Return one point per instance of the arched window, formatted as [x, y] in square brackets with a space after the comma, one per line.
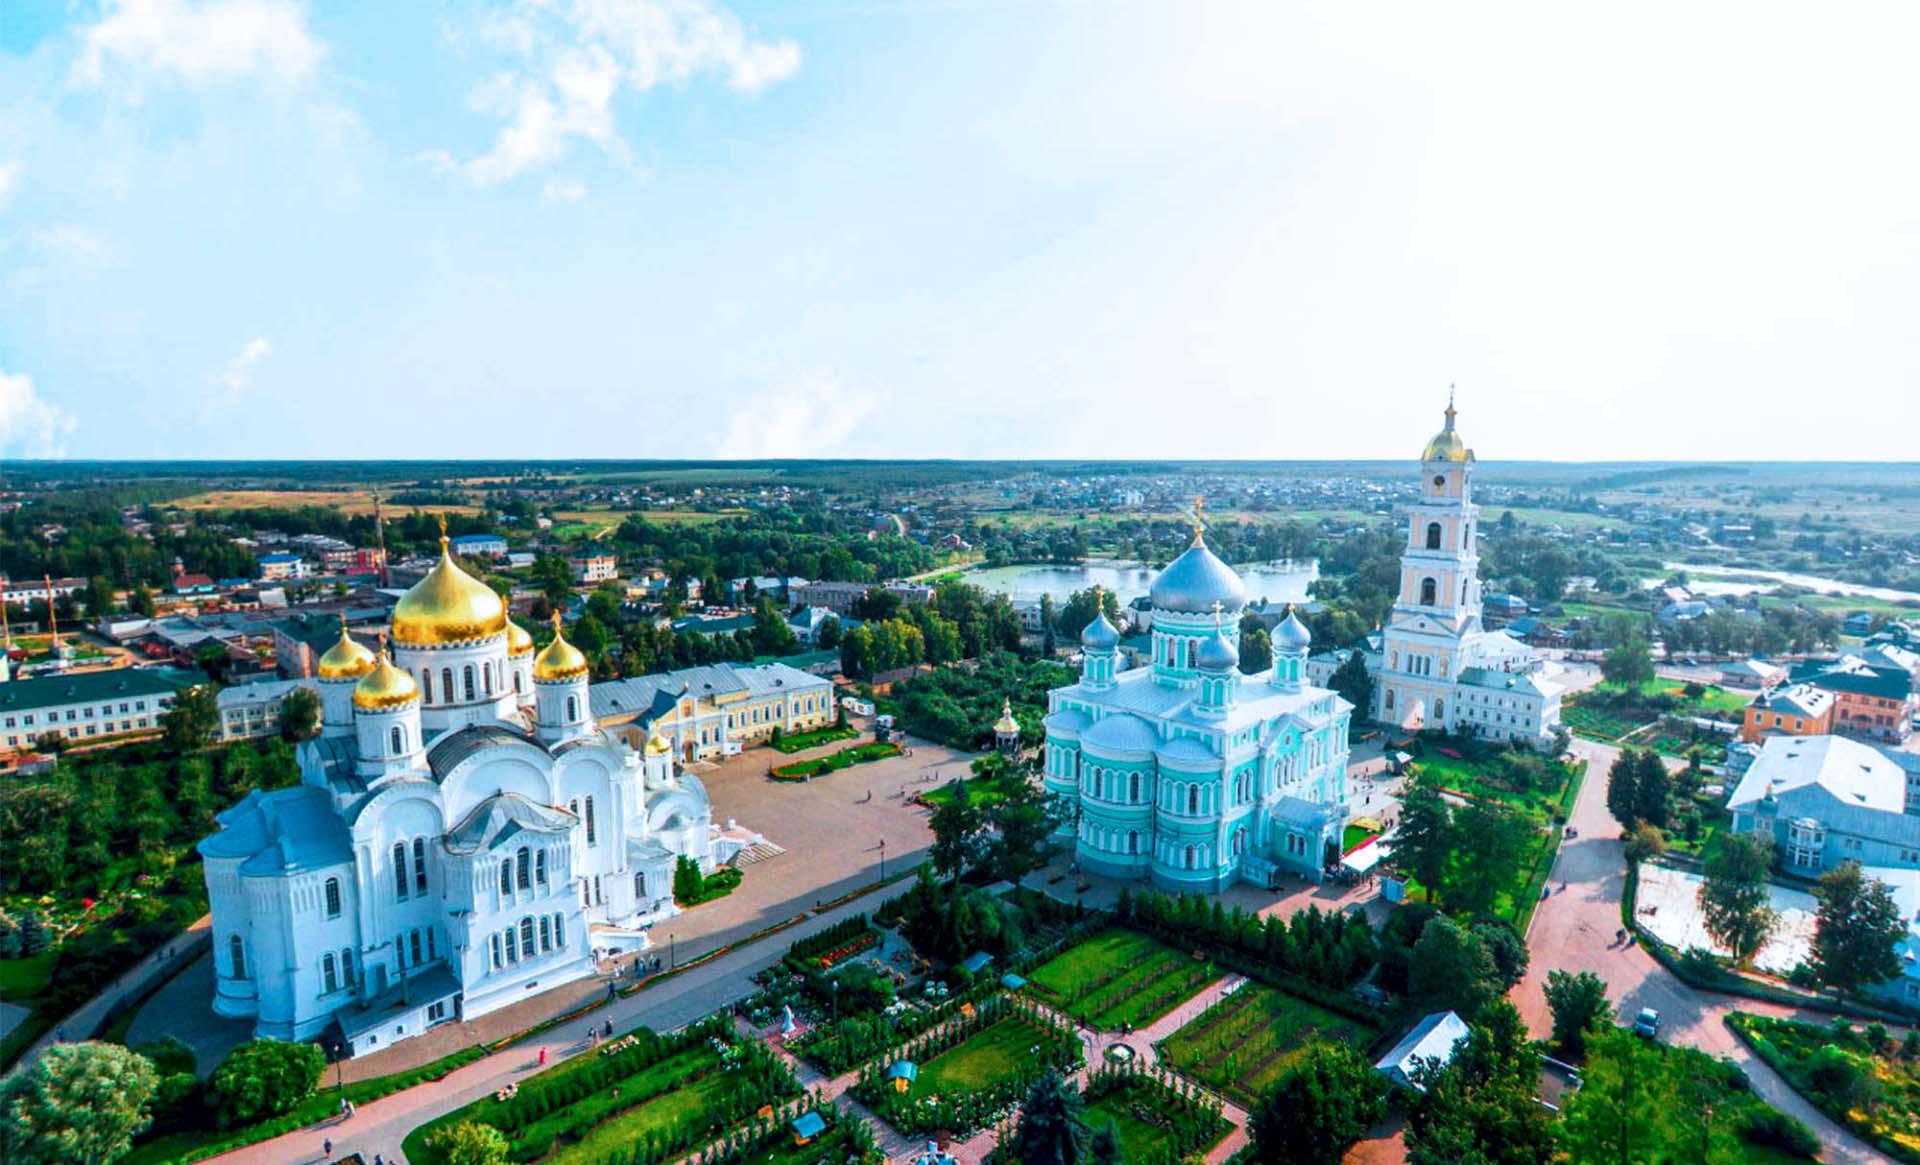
[329, 974]
[513, 948]
[560, 931]
[1428, 590]
[333, 897]
[486, 677]
[526, 937]
[522, 867]
[573, 708]
[237, 951]
[1193, 798]
[546, 933]
[1133, 787]
[1389, 699]
[346, 966]
[399, 869]
[516, 682]
[1433, 535]
[540, 867]
[1189, 857]
[466, 682]
[493, 946]
[1439, 709]
[420, 864]
[413, 947]
[396, 741]
[591, 838]
[446, 684]
[426, 685]
[1133, 841]
[639, 886]
[506, 877]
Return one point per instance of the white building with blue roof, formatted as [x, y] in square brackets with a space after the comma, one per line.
[463, 836]
[1187, 772]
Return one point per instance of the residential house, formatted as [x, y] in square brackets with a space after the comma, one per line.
[593, 568]
[1788, 710]
[479, 546]
[281, 565]
[87, 705]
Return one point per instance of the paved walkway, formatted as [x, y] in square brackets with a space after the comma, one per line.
[381, 1125]
[95, 1013]
[1573, 931]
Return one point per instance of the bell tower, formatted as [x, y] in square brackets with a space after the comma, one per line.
[1439, 569]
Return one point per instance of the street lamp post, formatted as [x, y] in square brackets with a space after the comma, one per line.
[671, 962]
[883, 859]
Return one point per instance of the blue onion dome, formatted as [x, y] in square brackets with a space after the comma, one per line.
[1099, 634]
[1195, 581]
[1291, 634]
[1217, 654]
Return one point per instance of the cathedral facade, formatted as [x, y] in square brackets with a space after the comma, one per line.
[463, 835]
[1187, 772]
[1435, 665]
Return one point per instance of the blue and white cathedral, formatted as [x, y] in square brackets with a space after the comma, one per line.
[1187, 772]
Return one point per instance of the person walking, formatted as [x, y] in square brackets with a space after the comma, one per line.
[543, 1056]
[326, 1148]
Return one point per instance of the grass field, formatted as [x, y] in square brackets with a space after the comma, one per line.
[349, 501]
[998, 1051]
[1120, 977]
[1241, 1044]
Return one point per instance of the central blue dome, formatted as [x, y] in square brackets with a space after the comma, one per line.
[1195, 581]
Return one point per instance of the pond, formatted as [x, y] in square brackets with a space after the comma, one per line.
[1278, 582]
[1737, 580]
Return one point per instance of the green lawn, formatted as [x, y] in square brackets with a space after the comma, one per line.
[687, 1103]
[835, 761]
[24, 978]
[1141, 1112]
[1353, 836]
[980, 790]
[801, 741]
[1242, 1044]
[998, 1051]
[832, 1147]
[1119, 977]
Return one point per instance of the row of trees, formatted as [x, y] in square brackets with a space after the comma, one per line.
[1433, 840]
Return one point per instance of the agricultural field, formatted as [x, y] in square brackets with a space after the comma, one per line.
[1241, 1044]
[1120, 977]
[347, 501]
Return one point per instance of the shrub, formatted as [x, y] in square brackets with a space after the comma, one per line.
[1770, 1128]
[263, 1078]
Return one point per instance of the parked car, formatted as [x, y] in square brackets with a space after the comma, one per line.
[1647, 1023]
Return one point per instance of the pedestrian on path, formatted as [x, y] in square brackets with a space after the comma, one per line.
[326, 1148]
[543, 1056]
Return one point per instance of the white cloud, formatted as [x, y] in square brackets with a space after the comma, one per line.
[69, 244]
[239, 373]
[197, 44]
[563, 190]
[9, 178]
[810, 418]
[29, 425]
[579, 56]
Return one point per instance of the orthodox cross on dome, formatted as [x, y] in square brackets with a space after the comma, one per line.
[1450, 410]
[1199, 515]
[1218, 607]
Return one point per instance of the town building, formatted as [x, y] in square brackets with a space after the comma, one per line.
[1436, 665]
[1788, 710]
[593, 568]
[251, 711]
[480, 546]
[1876, 703]
[89, 705]
[842, 597]
[355, 559]
[1187, 772]
[280, 566]
[463, 834]
[715, 710]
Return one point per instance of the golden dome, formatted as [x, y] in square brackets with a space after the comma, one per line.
[657, 744]
[1006, 725]
[346, 659]
[519, 642]
[1446, 444]
[448, 606]
[385, 687]
[559, 660]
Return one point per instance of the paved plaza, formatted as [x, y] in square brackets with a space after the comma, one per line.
[1668, 906]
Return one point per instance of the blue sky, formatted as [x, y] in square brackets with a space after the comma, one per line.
[692, 228]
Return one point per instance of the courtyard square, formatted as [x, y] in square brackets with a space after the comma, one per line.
[1668, 906]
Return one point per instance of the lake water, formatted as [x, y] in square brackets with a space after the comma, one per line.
[1279, 582]
[1734, 580]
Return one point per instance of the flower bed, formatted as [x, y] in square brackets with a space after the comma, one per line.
[972, 1071]
[1241, 1044]
[1120, 977]
[802, 741]
[1863, 1079]
[833, 762]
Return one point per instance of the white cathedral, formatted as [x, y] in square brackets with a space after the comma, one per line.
[1435, 665]
[463, 837]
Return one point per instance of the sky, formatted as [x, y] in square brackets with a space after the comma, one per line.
[1117, 229]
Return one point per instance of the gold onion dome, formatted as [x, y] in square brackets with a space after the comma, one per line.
[346, 659]
[658, 744]
[1446, 444]
[559, 660]
[519, 642]
[1006, 725]
[448, 606]
[385, 687]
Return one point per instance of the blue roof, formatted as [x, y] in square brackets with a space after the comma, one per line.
[280, 556]
[976, 962]
[476, 539]
[903, 1070]
[1012, 982]
[809, 1124]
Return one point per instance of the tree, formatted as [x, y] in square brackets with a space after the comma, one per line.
[1104, 1147]
[143, 600]
[299, 716]
[1579, 1005]
[212, 658]
[1623, 788]
[187, 726]
[1735, 904]
[1423, 842]
[1508, 949]
[1053, 1127]
[34, 935]
[263, 1078]
[1856, 930]
[1322, 1103]
[1652, 788]
[1353, 683]
[470, 1143]
[1502, 841]
[1644, 842]
[959, 833]
[554, 578]
[1452, 970]
[829, 633]
[1480, 1107]
[1024, 819]
[78, 1102]
[688, 882]
[101, 600]
[1628, 663]
[1256, 648]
